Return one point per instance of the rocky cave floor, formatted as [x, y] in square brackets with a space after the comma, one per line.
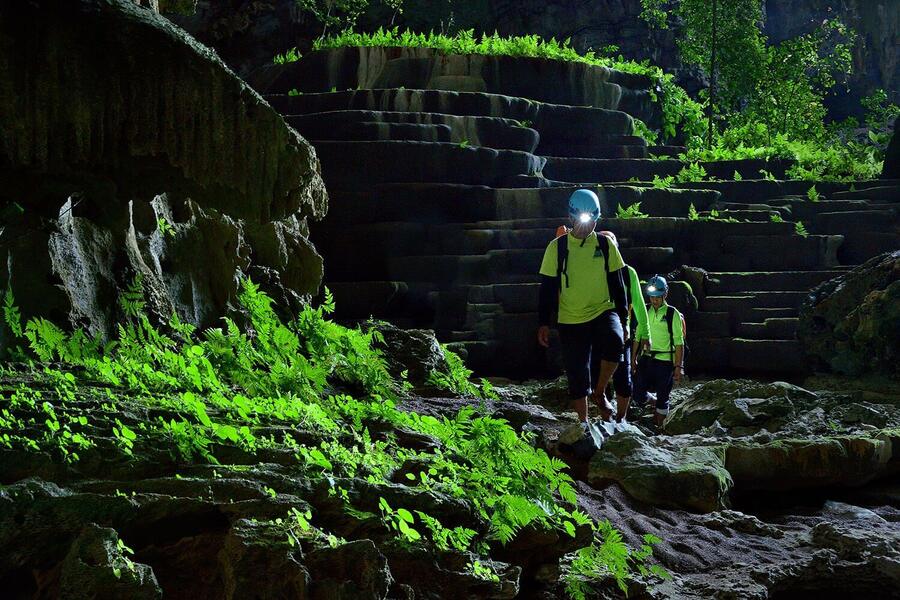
[768, 490]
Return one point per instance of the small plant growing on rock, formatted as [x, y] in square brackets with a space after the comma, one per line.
[399, 520]
[663, 183]
[609, 556]
[776, 217]
[289, 56]
[800, 229]
[457, 379]
[643, 131]
[813, 194]
[633, 211]
[165, 228]
[690, 173]
[483, 571]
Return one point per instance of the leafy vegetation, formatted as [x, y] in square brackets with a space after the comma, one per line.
[767, 100]
[633, 211]
[321, 385]
[458, 379]
[610, 555]
[724, 38]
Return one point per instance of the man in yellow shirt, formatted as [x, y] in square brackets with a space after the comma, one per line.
[662, 366]
[581, 277]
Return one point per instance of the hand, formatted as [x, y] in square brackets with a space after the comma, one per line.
[678, 373]
[543, 336]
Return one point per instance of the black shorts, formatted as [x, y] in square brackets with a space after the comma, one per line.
[586, 344]
[622, 376]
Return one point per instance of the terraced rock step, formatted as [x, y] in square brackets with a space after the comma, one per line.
[359, 165]
[369, 125]
[596, 170]
[555, 122]
[737, 282]
[778, 328]
[403, 238]
[453, 193]
[576, 84]
[881, 191]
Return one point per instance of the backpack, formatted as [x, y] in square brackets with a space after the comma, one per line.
[562, 263]
[669, 317]
[562, 256]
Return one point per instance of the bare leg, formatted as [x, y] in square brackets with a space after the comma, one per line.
[658, 420]
[607, 369]
[622, 407]
[580, 406]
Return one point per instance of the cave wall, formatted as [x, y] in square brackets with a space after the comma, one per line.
[129, 149]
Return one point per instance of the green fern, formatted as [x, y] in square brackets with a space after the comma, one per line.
[11, 314]
[633, 211]
[693, 215]
[609, 556]
[132, 299]
[813, 195]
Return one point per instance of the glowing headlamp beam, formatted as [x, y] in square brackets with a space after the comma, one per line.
[584, 217]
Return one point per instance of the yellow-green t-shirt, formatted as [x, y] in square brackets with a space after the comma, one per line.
[658, 329]
[587, 295]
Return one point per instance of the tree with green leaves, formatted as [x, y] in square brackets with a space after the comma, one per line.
[788, 95]
[723, 37]
[343, 14]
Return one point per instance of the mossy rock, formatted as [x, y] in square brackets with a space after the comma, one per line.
[739, 403]
[658, 473]
[804, 463]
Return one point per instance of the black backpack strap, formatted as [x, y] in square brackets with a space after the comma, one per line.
[670, 315]
[626, 277]
[562, 259]
[603, 247]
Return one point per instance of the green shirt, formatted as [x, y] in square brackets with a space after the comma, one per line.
[587, 296]
[659, 332]
[636, 298]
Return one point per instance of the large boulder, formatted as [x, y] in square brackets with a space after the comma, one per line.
[413, 352]
[141, 153]
[804, 463]
[849, 325]
[661, 473]
[741, 406]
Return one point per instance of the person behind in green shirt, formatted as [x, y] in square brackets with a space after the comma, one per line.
[662, 366]
[622, 378]
[581, 279]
